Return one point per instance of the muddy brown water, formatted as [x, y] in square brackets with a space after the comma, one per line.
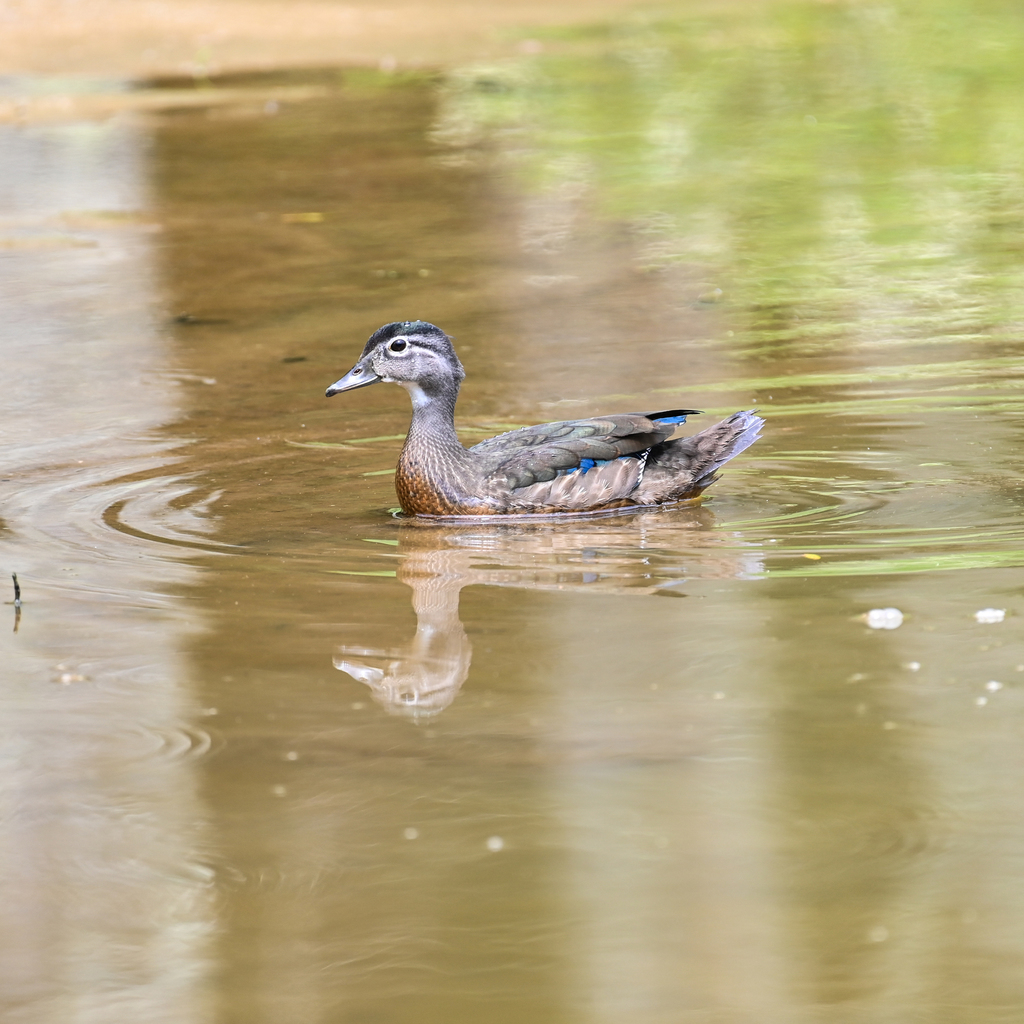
[272, 753]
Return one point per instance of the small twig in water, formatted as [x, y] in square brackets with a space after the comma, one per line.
[17, 601]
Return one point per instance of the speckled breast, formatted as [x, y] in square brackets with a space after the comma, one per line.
[420, 494]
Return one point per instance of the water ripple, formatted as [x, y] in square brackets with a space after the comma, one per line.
[172, 742]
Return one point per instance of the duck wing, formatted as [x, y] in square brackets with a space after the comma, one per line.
[536, 455]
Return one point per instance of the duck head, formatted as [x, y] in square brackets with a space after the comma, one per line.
[413, 353]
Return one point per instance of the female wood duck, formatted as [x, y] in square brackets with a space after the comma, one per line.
[571, 466]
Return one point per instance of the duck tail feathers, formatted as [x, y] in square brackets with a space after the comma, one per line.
[742, 430]
[683, 468]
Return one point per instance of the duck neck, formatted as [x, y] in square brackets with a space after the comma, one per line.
[433, 421]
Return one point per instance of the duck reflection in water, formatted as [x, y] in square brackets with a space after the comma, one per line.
[644, 554]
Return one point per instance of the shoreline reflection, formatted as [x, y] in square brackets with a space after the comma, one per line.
[650, 553]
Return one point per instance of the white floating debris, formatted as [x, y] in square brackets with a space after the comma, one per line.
[719, 695]
[990, 615]
[981, 701]
[292, 755]
[278, 790]
[914, 666]
[878, 934]
[411, 833]
[993, 686]
[495, 843]
[885, 618]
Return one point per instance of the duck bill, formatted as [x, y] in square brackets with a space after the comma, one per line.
[359, 376]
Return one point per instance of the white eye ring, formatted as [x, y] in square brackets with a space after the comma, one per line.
[398, 346]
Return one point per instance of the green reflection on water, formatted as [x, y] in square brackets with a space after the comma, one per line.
[834, 168]
[890, 566]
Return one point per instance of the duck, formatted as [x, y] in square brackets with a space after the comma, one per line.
[597, 464]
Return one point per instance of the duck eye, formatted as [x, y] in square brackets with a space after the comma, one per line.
[398, 345]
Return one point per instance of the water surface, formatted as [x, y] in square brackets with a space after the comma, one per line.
[274, 753]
